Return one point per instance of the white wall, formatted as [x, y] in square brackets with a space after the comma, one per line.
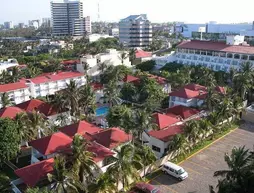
[163, 60]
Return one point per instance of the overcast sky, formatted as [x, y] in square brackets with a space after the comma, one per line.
[190, 11]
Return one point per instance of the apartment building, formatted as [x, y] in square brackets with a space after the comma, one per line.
[135, 31]
[67, 18]
[218, 56]
[50, 83]
[18, 92]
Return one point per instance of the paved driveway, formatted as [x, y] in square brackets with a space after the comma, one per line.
[202, 166]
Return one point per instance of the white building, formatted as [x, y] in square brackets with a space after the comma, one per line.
[63, 14]
[82, 26]
[111, 57]
[163, 60]
[4, 65]
[114, 32]
[18, 92]
[96, 37]
[51, 83]
[135, 31]
[215, 55]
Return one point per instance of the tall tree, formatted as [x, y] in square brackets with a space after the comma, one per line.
[87, 99]
[132, 55]
[104, 184]
[123, 56]
[5, 100]
[9, 140]
[179, 144]
[111, 92]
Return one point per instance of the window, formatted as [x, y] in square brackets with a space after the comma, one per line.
[172, 170]
[166, 167]
[155, 148]
[244, 57]
[251, 57]
[230, 56]
[237, 56]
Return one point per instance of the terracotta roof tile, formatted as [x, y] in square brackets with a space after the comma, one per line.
[12, 86]
[183, 111]
[164, 121]
[142, 54]
[185, 93]
[195, 87]
[130, 78]
[100, 151]
[10, 112]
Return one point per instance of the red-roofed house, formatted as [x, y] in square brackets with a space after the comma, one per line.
[160, 140]
[215, 55]
[10, 112]
[49, 84]
[182, 111]
[18, 92]
[82, 127]
[195, 87]
[111, 138]
[33, 174]
[164, 121]
[130, 78]
[44, 108]
[47, 147]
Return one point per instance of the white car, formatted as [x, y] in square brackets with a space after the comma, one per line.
[174, 170]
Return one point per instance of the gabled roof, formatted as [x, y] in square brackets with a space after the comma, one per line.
[139, 53]
[97, 86]
[111, 138]
[10, 112]
[33, 173]
[159, 80]
[185, 93]
[183, 111]
[130, 78]
[100, 151]
[52, 144]
[12, 86]
[195, 87]
[164, 121]
[82, 127]
[39, 106]
[166, 134]
[216, 46]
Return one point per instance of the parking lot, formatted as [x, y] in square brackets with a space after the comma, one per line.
[202, 165]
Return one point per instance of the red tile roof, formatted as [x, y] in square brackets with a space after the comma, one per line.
[10, 112]
[52, 144]
[12, 86]
[164, 121]
[97, 86]
[195, 87]
[70, 62]
[100, 151]
[183, 111]
[139, 53]
[82, 127]
[39, 106]
[166, 134]
[216, 46]
[33, 173]
[220, 89]
[55, 77]
[185, 93]
[111, 138]
[159, 80]
[130, 78]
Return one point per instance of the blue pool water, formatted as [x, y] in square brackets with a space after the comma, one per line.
[101, 111]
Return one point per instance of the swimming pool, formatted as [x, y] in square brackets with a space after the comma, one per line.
[101, 111]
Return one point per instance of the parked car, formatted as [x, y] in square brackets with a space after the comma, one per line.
[142, 187]
[174, 170]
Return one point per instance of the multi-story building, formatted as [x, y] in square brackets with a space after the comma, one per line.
[8, 25]
[82, 26]
[114, 32]
[51, 83]
[64, 14]
[135, 31]
[46, 22]
[215, 55]
[18, 92]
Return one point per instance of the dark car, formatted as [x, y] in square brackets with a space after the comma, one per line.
[142, 187]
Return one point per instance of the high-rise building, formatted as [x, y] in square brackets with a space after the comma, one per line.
[46, 22]
[8, 25]
[82, 26]
[135, 31]
[64, 13]
[21, 25]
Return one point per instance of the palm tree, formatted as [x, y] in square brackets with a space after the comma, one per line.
[104, 184]
[192, 131]
[205, 127]
[87, 99]
[15, 74]
[125, 168]
[63, 179]
[85, 67]
[111, 92]
[5, 186]
[37, 190]
[239, 177]
[5, 101]
[59, 102]
[132, 55]
[102, 66]
[123, 56]
[212, 99]
[82, 160]
[38, 124]
[146, 156]
[179, 144]
[71, 96]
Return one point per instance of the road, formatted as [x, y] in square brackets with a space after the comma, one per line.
[202, 165]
